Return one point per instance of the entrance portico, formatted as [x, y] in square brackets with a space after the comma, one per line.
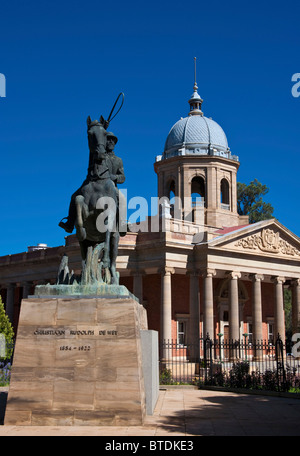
[242, 288]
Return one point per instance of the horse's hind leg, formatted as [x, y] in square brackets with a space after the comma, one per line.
[113, 257]
[81, 213]
[110, 231]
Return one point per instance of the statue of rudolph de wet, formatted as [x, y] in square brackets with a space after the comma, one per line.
[96, 208]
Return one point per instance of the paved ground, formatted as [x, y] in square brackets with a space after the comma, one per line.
[189, 412]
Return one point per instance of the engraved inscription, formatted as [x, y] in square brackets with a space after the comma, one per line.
[72, 332]
[80, 348]
[73, 338]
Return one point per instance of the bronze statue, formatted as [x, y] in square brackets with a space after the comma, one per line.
[94, 207]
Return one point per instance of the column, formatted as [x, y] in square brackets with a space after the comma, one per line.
[179, 190]
[279, 308]
[10, 301]
[138, 285]
[194, 307]
[296, 306]
[234, 319]
[257, 307]
[166, 304]
[166, 314]
[26, 289]
[208, 303]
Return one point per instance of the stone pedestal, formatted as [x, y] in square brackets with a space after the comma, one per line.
[78, 361]
[150, 368]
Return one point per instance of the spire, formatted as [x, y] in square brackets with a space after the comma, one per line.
[195, 101]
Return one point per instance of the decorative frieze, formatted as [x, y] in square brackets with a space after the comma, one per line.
[268, 241]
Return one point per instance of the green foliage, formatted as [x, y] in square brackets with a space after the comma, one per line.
[5, 372]
[250, 201]
[165, 377]
[7, 330]
[239, 376]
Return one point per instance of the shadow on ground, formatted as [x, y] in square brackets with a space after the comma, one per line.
[215, 413]
[3, 399]
[232, 414]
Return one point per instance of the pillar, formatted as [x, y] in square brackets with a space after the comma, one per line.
[208, 303]
[279, 308]
[234, 318]
[257, 307]
[296, 306]
[138, 285]
[166, 314]
[10, 301]
[26, 289]
[194, 308]
[166, 304]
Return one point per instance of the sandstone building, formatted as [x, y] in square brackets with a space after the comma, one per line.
[214, 274]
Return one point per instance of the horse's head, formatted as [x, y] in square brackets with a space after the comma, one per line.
[97, 136]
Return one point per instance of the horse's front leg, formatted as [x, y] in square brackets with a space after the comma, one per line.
[106, 254]
[81, 215]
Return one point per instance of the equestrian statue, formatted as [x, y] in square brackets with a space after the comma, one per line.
[95, 209]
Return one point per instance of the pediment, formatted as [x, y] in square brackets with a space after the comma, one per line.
[266, 238]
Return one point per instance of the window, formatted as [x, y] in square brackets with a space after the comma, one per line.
[270, 333]
[198, 187]
[181, 332]
[171, 197]
[197, 194]
[250, 333]
[225, 203]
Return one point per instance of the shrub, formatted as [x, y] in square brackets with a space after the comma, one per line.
[7, 330]
[5, 371]
[239, 376]
[165, 377]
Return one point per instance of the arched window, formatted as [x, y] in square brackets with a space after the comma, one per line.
[171, 197]
[224, 193]
[197, 194]
[171, 189]
[198, 191]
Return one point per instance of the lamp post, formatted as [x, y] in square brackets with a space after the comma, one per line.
[246, 335]
[220, 335]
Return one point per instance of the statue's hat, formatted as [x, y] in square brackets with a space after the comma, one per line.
[111, 135]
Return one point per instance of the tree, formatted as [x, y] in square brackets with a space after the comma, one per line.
[7, 330]
[250, 201]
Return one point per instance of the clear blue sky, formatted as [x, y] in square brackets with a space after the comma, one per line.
[66, 60]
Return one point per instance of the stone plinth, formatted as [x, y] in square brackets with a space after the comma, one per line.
[78, 362]
[88, 290]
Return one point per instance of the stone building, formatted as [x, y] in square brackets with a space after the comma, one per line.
[206, 270]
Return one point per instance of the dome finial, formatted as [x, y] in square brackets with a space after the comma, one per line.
[195, 65]
[195, 101]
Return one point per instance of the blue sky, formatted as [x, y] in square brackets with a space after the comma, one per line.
[66, 60]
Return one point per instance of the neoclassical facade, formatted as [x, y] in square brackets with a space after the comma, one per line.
[206, 270]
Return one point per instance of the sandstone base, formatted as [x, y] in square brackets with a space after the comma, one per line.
[78, 362]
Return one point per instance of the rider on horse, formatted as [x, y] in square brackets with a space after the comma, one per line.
[110, 164]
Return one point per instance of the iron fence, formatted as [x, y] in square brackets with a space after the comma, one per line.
[241, 364]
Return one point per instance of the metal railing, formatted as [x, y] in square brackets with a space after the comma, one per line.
[241, 364]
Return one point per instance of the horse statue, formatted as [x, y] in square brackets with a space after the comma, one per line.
[94, 212]
[98, 241]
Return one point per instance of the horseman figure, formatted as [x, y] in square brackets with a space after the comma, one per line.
[95, 207]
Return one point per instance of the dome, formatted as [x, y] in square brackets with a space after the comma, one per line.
[196, 133]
